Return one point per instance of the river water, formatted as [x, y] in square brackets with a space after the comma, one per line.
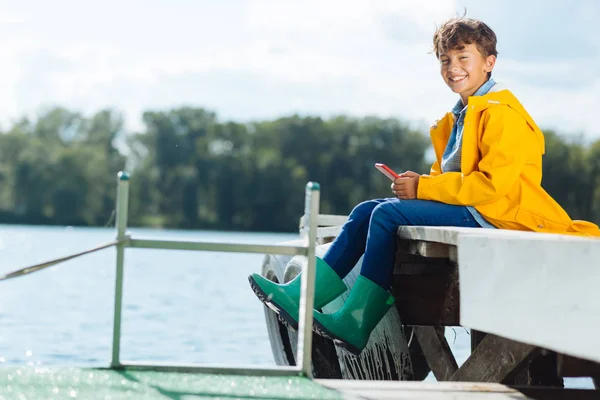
[178, 306]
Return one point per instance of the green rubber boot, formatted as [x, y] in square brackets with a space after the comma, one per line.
[284, 299]
[351, 326]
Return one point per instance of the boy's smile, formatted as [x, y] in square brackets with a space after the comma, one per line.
[465, 69]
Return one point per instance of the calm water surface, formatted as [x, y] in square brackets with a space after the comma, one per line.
[178, 306]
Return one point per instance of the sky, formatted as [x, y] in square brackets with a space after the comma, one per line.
[251, 59]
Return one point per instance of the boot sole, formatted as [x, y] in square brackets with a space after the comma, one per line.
[285, 318]
[322, 331]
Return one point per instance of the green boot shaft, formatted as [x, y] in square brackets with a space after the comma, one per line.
[351, 326]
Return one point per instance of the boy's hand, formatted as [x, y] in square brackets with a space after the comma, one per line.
[410, 174]
[406, 185]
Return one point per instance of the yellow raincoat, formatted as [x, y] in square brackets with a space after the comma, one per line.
[501, 168]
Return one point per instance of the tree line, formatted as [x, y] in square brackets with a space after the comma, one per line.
[190, 170]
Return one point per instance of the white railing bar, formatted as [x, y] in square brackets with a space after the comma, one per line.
[126, 241]
[329, 231]
[122, 209]
[327, 220]
[307, 291]
[165, 244]
[211, 369]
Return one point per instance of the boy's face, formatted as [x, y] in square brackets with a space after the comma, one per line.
[465, 70]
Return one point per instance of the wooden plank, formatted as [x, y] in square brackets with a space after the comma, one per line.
[532, 278]
[437, 234]
[540, 371]
[426, 289]
[476, 338]
[544, 393]
[494, 360]
[520, 377]
[387, 390]
[451, 235]
[576, 367]
[426, 249]
[437, 352]
[427, 300]
[419, 247]
[432, 250]
[407, 255]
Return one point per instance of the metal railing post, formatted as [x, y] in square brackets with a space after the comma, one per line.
[122, 206]
[305, 323]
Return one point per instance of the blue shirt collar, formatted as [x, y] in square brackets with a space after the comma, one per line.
[483, 90]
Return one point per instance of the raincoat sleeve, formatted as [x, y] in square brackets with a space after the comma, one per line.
[503, 149]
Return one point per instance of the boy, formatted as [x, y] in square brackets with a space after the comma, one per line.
[487, 173]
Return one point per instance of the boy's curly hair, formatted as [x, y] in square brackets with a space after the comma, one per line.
[457, 32]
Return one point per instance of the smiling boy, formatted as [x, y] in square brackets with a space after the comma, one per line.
[487, 173]
[488, 148]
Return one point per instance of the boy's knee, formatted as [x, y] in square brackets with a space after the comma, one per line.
[364, 209]
[383, 212]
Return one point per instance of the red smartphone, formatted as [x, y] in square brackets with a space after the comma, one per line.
[387, 171]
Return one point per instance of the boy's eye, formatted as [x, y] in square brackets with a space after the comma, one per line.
[463, 57]
[444, 61]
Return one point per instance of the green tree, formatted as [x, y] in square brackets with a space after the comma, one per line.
[191, 170]
[566, 174]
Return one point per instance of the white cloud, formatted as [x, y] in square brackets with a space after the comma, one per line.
[260, 59]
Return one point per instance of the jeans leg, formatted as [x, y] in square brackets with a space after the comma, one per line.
[349, 245]
[380, 248]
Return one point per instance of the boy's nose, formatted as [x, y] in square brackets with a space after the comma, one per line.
[453, 68]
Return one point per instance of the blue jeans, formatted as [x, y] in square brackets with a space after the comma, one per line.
[371, 230]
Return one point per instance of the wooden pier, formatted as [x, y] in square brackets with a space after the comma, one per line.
[390, 390]
[531, 300]
[48, 383]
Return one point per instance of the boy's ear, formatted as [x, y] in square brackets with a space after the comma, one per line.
[490, 61]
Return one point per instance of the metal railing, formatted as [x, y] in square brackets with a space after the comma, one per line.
[123, 241]
[308, 233]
